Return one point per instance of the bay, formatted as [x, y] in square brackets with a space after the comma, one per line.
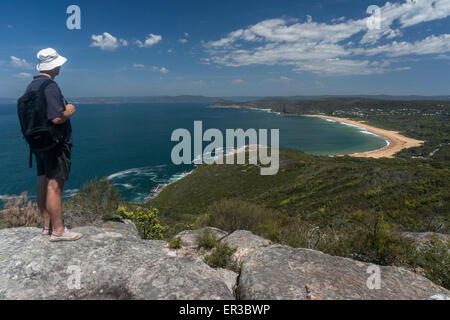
[130, 143]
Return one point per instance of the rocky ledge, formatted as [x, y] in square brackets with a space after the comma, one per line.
[114, 263]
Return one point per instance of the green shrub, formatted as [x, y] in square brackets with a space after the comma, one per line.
[222, 257]
[98, 197]
[175, 243]
[206, 239]
[372, 239]
[291, 231]
[233, 214]
[146, 221]
[435, 260]
[18, 211]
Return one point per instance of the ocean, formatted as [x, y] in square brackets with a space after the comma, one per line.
[130, 143]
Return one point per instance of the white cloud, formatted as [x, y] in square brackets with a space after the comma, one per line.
[154, 68]
[237, 81]
[107, 41]
[184, 40]
[205, 60]
[284, 78]
[20, 63]
[336, 66]
[432, 44]
[23, 75]
[162, 69]
[151, 40]
[406, 14]
[333, 48]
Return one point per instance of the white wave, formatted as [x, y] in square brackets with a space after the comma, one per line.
[179, 176]
[172, 179]
[69, 193]
[139, 197]
[125, 185]
[362, 130]
[350, 125]
[370, 133]
[145, 172]
[265, 110]
[209, 158]
[14, 196]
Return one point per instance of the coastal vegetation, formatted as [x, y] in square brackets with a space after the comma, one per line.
[97, 196]
[146, 221]
[19, 211]
[175, 243]
[207, 240]
[222, 257]
[344, 206]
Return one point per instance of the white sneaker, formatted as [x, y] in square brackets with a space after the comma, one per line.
[68, 235]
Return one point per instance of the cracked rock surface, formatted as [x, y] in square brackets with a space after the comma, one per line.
[114, 263]
[111, 264]
[281, 272]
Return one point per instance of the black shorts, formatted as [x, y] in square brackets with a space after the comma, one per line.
[54, 164]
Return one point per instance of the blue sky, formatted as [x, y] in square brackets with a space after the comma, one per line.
[231, 48]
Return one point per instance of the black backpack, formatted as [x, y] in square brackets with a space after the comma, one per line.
[40, 134]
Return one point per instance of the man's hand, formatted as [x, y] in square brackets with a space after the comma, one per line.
[70, 110]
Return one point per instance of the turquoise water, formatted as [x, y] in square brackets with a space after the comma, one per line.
[130, 143]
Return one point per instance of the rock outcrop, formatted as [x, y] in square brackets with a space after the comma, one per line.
[423, 240]
[245, 242]
[104, 264]
[281, 272]
[114, 263]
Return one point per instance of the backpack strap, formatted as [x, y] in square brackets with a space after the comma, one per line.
[44, 86]
[31, 158]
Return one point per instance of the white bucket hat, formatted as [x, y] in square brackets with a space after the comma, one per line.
[49, 59]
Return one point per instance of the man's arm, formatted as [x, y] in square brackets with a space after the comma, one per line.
[70, 111]
[58, 111]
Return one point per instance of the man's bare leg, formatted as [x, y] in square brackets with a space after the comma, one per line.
[42, 200]
[54, 204]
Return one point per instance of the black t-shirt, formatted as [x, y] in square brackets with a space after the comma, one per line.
[56, 105]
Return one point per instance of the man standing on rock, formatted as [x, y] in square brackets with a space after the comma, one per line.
[53, 166]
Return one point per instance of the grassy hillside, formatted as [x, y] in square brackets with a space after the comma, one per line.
[321, 190]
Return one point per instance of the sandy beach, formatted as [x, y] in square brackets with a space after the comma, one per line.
[397, 142]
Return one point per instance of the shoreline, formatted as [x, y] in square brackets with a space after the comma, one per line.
[396, 142]
[156, 191]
